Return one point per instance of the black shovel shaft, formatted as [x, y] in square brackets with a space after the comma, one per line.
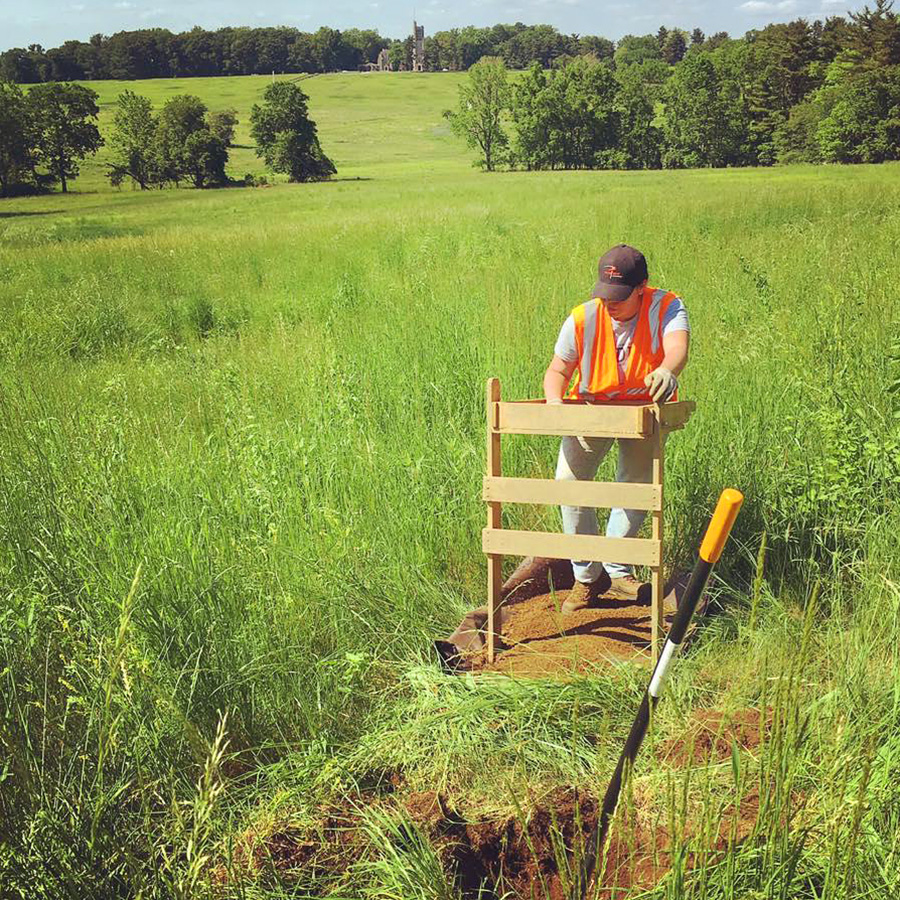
[710, 550]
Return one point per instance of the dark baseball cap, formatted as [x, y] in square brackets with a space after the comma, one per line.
[619, 272]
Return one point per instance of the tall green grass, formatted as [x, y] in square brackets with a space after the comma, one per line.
[241, 445]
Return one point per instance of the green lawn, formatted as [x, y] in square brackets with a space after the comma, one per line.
[241, 450]
[370, 124]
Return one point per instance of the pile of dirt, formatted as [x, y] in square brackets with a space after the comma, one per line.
[539, 640]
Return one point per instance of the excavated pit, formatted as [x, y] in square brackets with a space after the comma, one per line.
[489, 859]
[539, 640]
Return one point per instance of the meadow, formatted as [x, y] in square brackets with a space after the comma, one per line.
[241, 451]
[389, 122]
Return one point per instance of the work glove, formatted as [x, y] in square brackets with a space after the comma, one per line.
[661, 384]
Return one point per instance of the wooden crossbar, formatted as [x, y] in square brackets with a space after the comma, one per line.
[586, 420]
[634, 420]
[631, 551]
[572, 493]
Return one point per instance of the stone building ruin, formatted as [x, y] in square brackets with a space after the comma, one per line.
[418, 50]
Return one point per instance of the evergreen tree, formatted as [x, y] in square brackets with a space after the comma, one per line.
[875, 34]
[675, 47]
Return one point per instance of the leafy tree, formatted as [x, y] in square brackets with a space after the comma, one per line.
[16, 65]
[795, 140]
[567, 118]
[697, 37]
[301, 57]
[716, 40]
[63, 114]
[472, 44]
[285, 135]
[222, 124]
[832, 37]
[601, 47]
[640, 142]
[699, 121]
[631, 50]
[863, 126]
[400, 54]
[329, 51]
[366, 44]
[16, 138]
[132, 141]
[204, 158]
[181, 116]
[538, 43]
[479, 116]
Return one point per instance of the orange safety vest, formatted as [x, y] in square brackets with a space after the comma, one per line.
[597, 376]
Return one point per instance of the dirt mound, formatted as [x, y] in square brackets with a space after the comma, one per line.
[711, 734]
[539, 640]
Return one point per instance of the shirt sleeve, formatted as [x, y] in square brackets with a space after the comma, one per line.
[565, 347]
[676, 317]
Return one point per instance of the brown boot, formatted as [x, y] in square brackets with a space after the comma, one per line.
[532, 577]
[625, 588]
[582, 596]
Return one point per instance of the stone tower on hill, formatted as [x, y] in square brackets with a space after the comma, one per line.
[418, 54]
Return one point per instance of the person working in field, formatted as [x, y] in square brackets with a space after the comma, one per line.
[629, 342]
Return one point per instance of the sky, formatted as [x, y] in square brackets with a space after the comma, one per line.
[50, 22]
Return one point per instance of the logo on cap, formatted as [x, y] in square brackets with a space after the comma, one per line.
[611, 272]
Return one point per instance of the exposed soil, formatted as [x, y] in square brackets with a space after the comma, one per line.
[539, 640]
[507, 858]
[711, 733]
[491, 858]
[323, 851]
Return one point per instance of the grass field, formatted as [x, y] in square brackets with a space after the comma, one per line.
[241, 450]
[383, 122]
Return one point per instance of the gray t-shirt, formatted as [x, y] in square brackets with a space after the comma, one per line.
[675, 319]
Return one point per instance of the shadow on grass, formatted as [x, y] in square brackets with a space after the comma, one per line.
[42, 212]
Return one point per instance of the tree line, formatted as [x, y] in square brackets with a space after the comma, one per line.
[158, 53]
[798, 92]
[46, 133]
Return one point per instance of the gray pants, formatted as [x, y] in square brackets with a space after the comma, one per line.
[579, 459]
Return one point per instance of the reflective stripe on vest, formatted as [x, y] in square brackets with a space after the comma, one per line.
[597, 376]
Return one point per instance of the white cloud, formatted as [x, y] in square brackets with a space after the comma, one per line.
[762, 7]
[123, 4]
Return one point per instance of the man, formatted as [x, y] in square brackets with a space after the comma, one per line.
[629, 342]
